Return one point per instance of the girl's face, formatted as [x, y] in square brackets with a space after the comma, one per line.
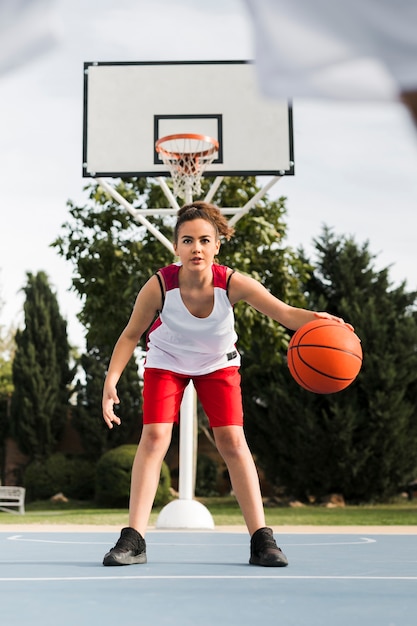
[197, 244]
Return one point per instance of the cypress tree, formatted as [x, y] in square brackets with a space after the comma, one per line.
[6, 390]
[41, 372]
[361, 442]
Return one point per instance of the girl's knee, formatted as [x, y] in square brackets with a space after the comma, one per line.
[230, 441]
[155, 437]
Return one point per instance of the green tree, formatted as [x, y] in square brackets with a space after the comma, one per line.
[113, 257]
[361, 442]
[6, 389]
[41, 372]
[312, 444]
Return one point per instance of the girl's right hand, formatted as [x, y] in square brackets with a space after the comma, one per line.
[110, 399]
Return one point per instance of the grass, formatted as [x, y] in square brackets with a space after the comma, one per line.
[225, 512]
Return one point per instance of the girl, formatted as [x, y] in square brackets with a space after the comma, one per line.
[190, 307]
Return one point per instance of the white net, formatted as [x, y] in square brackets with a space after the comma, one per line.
[187, 157]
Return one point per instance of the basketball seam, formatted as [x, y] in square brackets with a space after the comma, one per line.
[300, 379]
[314, 369]
[314, 345]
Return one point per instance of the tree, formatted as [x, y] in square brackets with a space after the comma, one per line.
[6, 389]
[311, 444]
[361, 442]
[41, 372]
[113, 257]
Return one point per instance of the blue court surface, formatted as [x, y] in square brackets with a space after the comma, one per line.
[203, 578]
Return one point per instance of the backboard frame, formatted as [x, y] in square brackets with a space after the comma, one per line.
[93, 134]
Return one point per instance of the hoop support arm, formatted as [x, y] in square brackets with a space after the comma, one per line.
[163, 211]
[168, 193]
[135, 213]
[249, 205]
[216, 184]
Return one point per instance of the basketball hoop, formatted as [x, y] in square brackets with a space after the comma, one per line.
[187, 157]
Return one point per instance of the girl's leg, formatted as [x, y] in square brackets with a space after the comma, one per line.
[232, 445]
[146, 470]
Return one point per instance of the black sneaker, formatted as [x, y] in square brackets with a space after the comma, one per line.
[264, 550]
[129, 549]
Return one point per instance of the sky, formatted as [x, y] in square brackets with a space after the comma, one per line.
[355, 163]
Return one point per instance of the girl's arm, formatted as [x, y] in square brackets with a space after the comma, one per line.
[147, 304]
[249, 290]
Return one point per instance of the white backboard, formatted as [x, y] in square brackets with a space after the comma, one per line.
[128, 106]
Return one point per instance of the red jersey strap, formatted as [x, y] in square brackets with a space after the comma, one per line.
[219, 276]
[170, 275]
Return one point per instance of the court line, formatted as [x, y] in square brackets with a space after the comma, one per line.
[203, 577]
[363, 541]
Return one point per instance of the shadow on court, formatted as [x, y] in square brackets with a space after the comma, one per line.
[203, 578]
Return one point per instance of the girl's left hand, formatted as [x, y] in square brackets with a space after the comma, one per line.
[327, 316]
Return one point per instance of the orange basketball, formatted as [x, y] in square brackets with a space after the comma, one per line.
[324, 356]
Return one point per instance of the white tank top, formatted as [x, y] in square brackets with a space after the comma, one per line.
[182, 343]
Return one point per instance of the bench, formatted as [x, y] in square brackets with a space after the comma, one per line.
[12, 497]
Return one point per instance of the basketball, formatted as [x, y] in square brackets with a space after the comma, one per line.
[324, 356]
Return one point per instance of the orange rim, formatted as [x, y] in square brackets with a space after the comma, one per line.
[178, 155]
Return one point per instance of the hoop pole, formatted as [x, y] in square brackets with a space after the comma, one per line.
[187, 444]
[135, 213]
[249, 205]
[188, 195]
[188, 428]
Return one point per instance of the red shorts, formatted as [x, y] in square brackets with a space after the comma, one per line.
[219, 393]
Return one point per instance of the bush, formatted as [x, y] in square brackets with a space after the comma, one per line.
[206, 479]
[113, 478]
[81, 479]
[74, 477]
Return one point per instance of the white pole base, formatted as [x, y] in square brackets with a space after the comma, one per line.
[181, 514]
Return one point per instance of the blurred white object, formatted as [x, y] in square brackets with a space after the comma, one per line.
[361, 49]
